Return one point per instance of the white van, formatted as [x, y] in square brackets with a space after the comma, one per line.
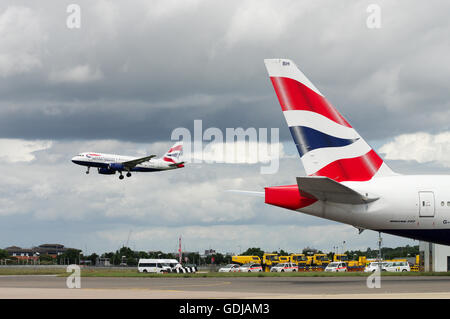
[374, 266]
[397, 266]
[158, 265]
[336, 266]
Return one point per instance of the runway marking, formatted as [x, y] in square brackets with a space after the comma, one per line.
[169, 286]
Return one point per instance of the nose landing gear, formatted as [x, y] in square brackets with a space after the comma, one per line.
[87, 171]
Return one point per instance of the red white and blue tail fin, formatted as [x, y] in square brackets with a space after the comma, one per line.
[174, 154]
[327, 144]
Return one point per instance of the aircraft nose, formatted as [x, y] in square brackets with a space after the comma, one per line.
[74, 159]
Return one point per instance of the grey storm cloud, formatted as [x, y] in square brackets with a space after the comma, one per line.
[135, 71]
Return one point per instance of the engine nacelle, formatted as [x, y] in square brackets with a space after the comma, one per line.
[106, 171]
[116, 166]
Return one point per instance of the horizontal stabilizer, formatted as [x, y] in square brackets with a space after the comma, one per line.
[176, 164]
[326, 189]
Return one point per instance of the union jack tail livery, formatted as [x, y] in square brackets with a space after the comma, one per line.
[174, 154]
[327, 143]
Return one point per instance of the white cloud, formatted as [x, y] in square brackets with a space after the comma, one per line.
[22, 41]
[239, 152]
[17, 150]
[77, 74]
[420, 147]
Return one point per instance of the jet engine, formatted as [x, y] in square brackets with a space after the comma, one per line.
[116, 166]
[106, 171]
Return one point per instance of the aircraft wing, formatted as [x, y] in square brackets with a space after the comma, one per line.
[326, 189]
[133, 163]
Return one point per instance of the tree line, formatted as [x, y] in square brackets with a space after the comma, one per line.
[129, 257]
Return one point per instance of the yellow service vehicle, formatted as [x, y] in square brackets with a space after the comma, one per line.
[245, 259]
[321, 260]
[269, 260]
[357, 265]
[284, 259]
[299, 259]
[416, 267]
[340, 257]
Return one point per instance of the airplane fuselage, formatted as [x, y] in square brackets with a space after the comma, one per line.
[413, 206]
[101, 160]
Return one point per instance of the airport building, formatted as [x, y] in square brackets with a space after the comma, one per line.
[33, 253]
[434, 257]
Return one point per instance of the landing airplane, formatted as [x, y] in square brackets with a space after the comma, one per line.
[109, 164]
[347, 180]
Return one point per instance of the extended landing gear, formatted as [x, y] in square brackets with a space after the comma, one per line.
[87, 171]
[121, 176]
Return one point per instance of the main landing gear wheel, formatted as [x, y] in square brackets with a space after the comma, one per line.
[120, 176]
[128, 174]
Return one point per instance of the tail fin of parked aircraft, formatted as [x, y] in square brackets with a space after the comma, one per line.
[327, 144]
[174, 154]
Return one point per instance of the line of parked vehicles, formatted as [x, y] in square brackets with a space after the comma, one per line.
[317, 262]
[339, 265]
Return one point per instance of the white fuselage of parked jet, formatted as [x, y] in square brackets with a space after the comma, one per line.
[414, 206]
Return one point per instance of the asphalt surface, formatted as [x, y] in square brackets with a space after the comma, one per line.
[25, 287]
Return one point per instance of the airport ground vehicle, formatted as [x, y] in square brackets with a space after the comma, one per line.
[269, 260]
[320, 260]
[250, 268]
[230, 268]
[284, 259]
[158, 265]
[373, 266]
[241, 260]
[340, 257]
[284, 267]
[300, 259]
[397, 266]
[336, 266]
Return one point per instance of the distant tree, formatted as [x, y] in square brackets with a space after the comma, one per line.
[70, 256]
[92, 258]
[192, 258]
[142, 255]
[309, 251]
[46, 259]
[283, 253]
[253, 252]
[3, 254]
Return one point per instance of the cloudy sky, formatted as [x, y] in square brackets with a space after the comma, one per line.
[136, 70]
